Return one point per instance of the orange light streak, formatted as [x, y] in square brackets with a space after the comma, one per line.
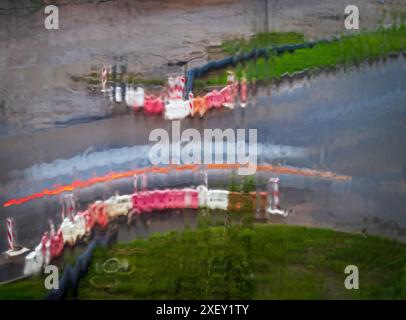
[79, 184]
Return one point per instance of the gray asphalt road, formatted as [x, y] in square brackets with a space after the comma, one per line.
[36, 64]
[350, 122]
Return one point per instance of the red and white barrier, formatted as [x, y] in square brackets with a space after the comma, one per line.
[230, 77]
[228, 96]
[214, 99]
[34, 261]
[128, 97]
[13, 248]
[153, 105]
[118, 96]
[10, 233]
[275, 192]
[178, 109]
[117, 206]
[57, 245]
[199, 105]
[147, 201]
[217, 199]
[174, 105]
[171, 89]
[180, 87]
[243, 93]
[89, 220]
[101, 213]
[191, 104]
[79, 223]
[98, 210]
[46, 248]
[202, 194]
[175, 88]
[56, 239]
[274, 207]
[138, 98]
[67, 229]
[104, 77]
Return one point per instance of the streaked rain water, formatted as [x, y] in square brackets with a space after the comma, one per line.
[351, 122]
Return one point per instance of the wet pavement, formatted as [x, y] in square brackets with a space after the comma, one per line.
[352, 122]
[349, 122]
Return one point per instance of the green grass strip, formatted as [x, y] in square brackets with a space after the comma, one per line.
[347, 51]
[259, 262]
[240, 260]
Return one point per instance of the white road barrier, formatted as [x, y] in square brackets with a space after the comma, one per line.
[217, 199]
[34, 261]
[117, 206]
